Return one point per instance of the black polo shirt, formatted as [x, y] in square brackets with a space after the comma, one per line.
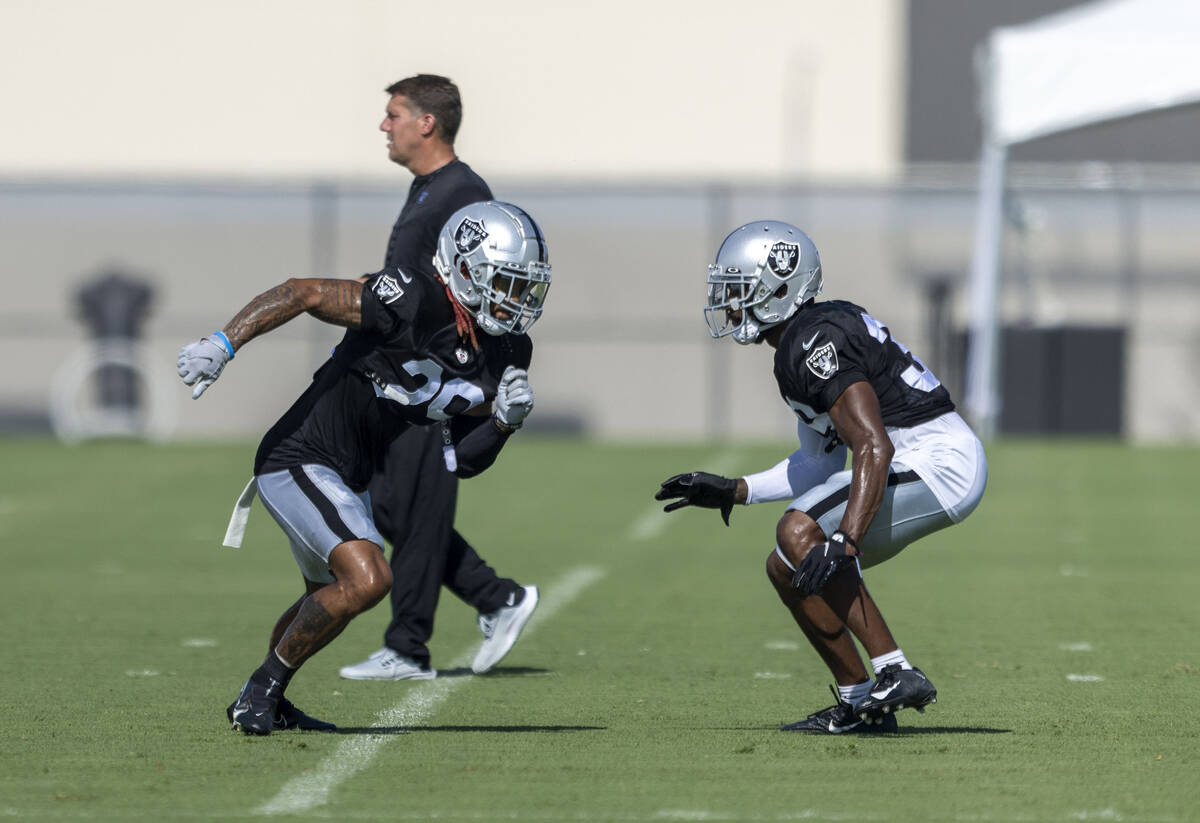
[432, 198]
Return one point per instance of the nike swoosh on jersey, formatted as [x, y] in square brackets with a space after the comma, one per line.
[406, 278]
[811, 340]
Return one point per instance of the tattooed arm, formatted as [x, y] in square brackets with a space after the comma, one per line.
[334, 301]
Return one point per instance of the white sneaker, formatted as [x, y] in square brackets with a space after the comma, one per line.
[386, 664]
[501, 629]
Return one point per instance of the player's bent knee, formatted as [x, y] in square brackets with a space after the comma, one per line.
[796, 533]
[364, 592]
[362, 572]
[375, 585]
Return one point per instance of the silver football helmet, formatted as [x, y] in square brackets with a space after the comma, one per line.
[764, 271]
[493, 256]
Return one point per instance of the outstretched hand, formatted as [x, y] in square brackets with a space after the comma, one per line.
[709, 491]
[200, 363]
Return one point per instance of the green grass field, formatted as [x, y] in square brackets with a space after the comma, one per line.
[1059, 623]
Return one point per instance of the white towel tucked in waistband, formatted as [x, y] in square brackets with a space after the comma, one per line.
[240, 516]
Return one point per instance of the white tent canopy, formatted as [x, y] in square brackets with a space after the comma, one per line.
[1096, 62]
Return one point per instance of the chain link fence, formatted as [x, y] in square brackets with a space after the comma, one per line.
[622, 351]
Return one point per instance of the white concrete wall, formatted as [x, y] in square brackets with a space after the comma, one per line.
[577, 89]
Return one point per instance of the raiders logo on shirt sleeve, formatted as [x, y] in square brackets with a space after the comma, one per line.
[823, 361]
[388, 289]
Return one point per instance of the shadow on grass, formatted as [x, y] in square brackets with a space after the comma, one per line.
[903, 731]
[507, 671]
[906, 731]
[386, 730]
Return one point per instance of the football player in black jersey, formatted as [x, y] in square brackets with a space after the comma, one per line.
[416, 353]
[413, 498]
[915, 465]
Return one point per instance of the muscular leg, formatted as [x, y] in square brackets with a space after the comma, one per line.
[825, 631]
[361, 579]
[288, 616]
[824, 618]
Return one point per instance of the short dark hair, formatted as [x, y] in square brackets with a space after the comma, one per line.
[436, 95]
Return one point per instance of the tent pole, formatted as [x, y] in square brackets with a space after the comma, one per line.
[982, 396]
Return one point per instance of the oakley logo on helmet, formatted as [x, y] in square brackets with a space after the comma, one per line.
[469, 235]
[783, 258]
[823, 362]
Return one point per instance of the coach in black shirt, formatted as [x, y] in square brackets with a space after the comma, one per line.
[414, 497]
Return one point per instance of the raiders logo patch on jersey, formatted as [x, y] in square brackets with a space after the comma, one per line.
[823, 362]
[784, 258]
[469, 234]
[388, 289]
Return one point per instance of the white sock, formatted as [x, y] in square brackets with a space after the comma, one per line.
[877, 663]
[854, 694]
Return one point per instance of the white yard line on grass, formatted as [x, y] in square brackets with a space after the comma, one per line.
[597, 815]
[356, 752]
[654, 520]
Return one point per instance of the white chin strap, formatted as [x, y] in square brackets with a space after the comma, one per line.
[747, 332]
[489, 324]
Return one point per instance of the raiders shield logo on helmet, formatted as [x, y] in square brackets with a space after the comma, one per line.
[783, 258]
[823, 362]
[469, 235]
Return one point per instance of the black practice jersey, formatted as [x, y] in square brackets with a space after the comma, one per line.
[432, 198]
[830, 345]
[405, 366]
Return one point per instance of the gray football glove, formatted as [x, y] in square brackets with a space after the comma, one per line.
[200, 363]
[514, 398]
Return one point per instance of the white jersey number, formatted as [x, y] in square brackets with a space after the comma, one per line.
[438, 394]
[916, 375]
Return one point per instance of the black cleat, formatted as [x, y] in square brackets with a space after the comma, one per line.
[841, 719]
[254, 710]
[895, 689]
[287, 716]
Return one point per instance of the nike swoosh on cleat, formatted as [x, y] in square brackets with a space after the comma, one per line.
[883, 694]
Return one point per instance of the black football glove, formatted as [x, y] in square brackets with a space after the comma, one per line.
[822, 562]
[709, 491]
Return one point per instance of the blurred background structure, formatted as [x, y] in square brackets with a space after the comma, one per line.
[217, 150]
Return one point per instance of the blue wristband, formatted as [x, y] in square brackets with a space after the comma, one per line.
[220, 335]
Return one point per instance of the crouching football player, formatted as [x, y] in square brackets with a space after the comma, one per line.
[916, 466]
[416, 353]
